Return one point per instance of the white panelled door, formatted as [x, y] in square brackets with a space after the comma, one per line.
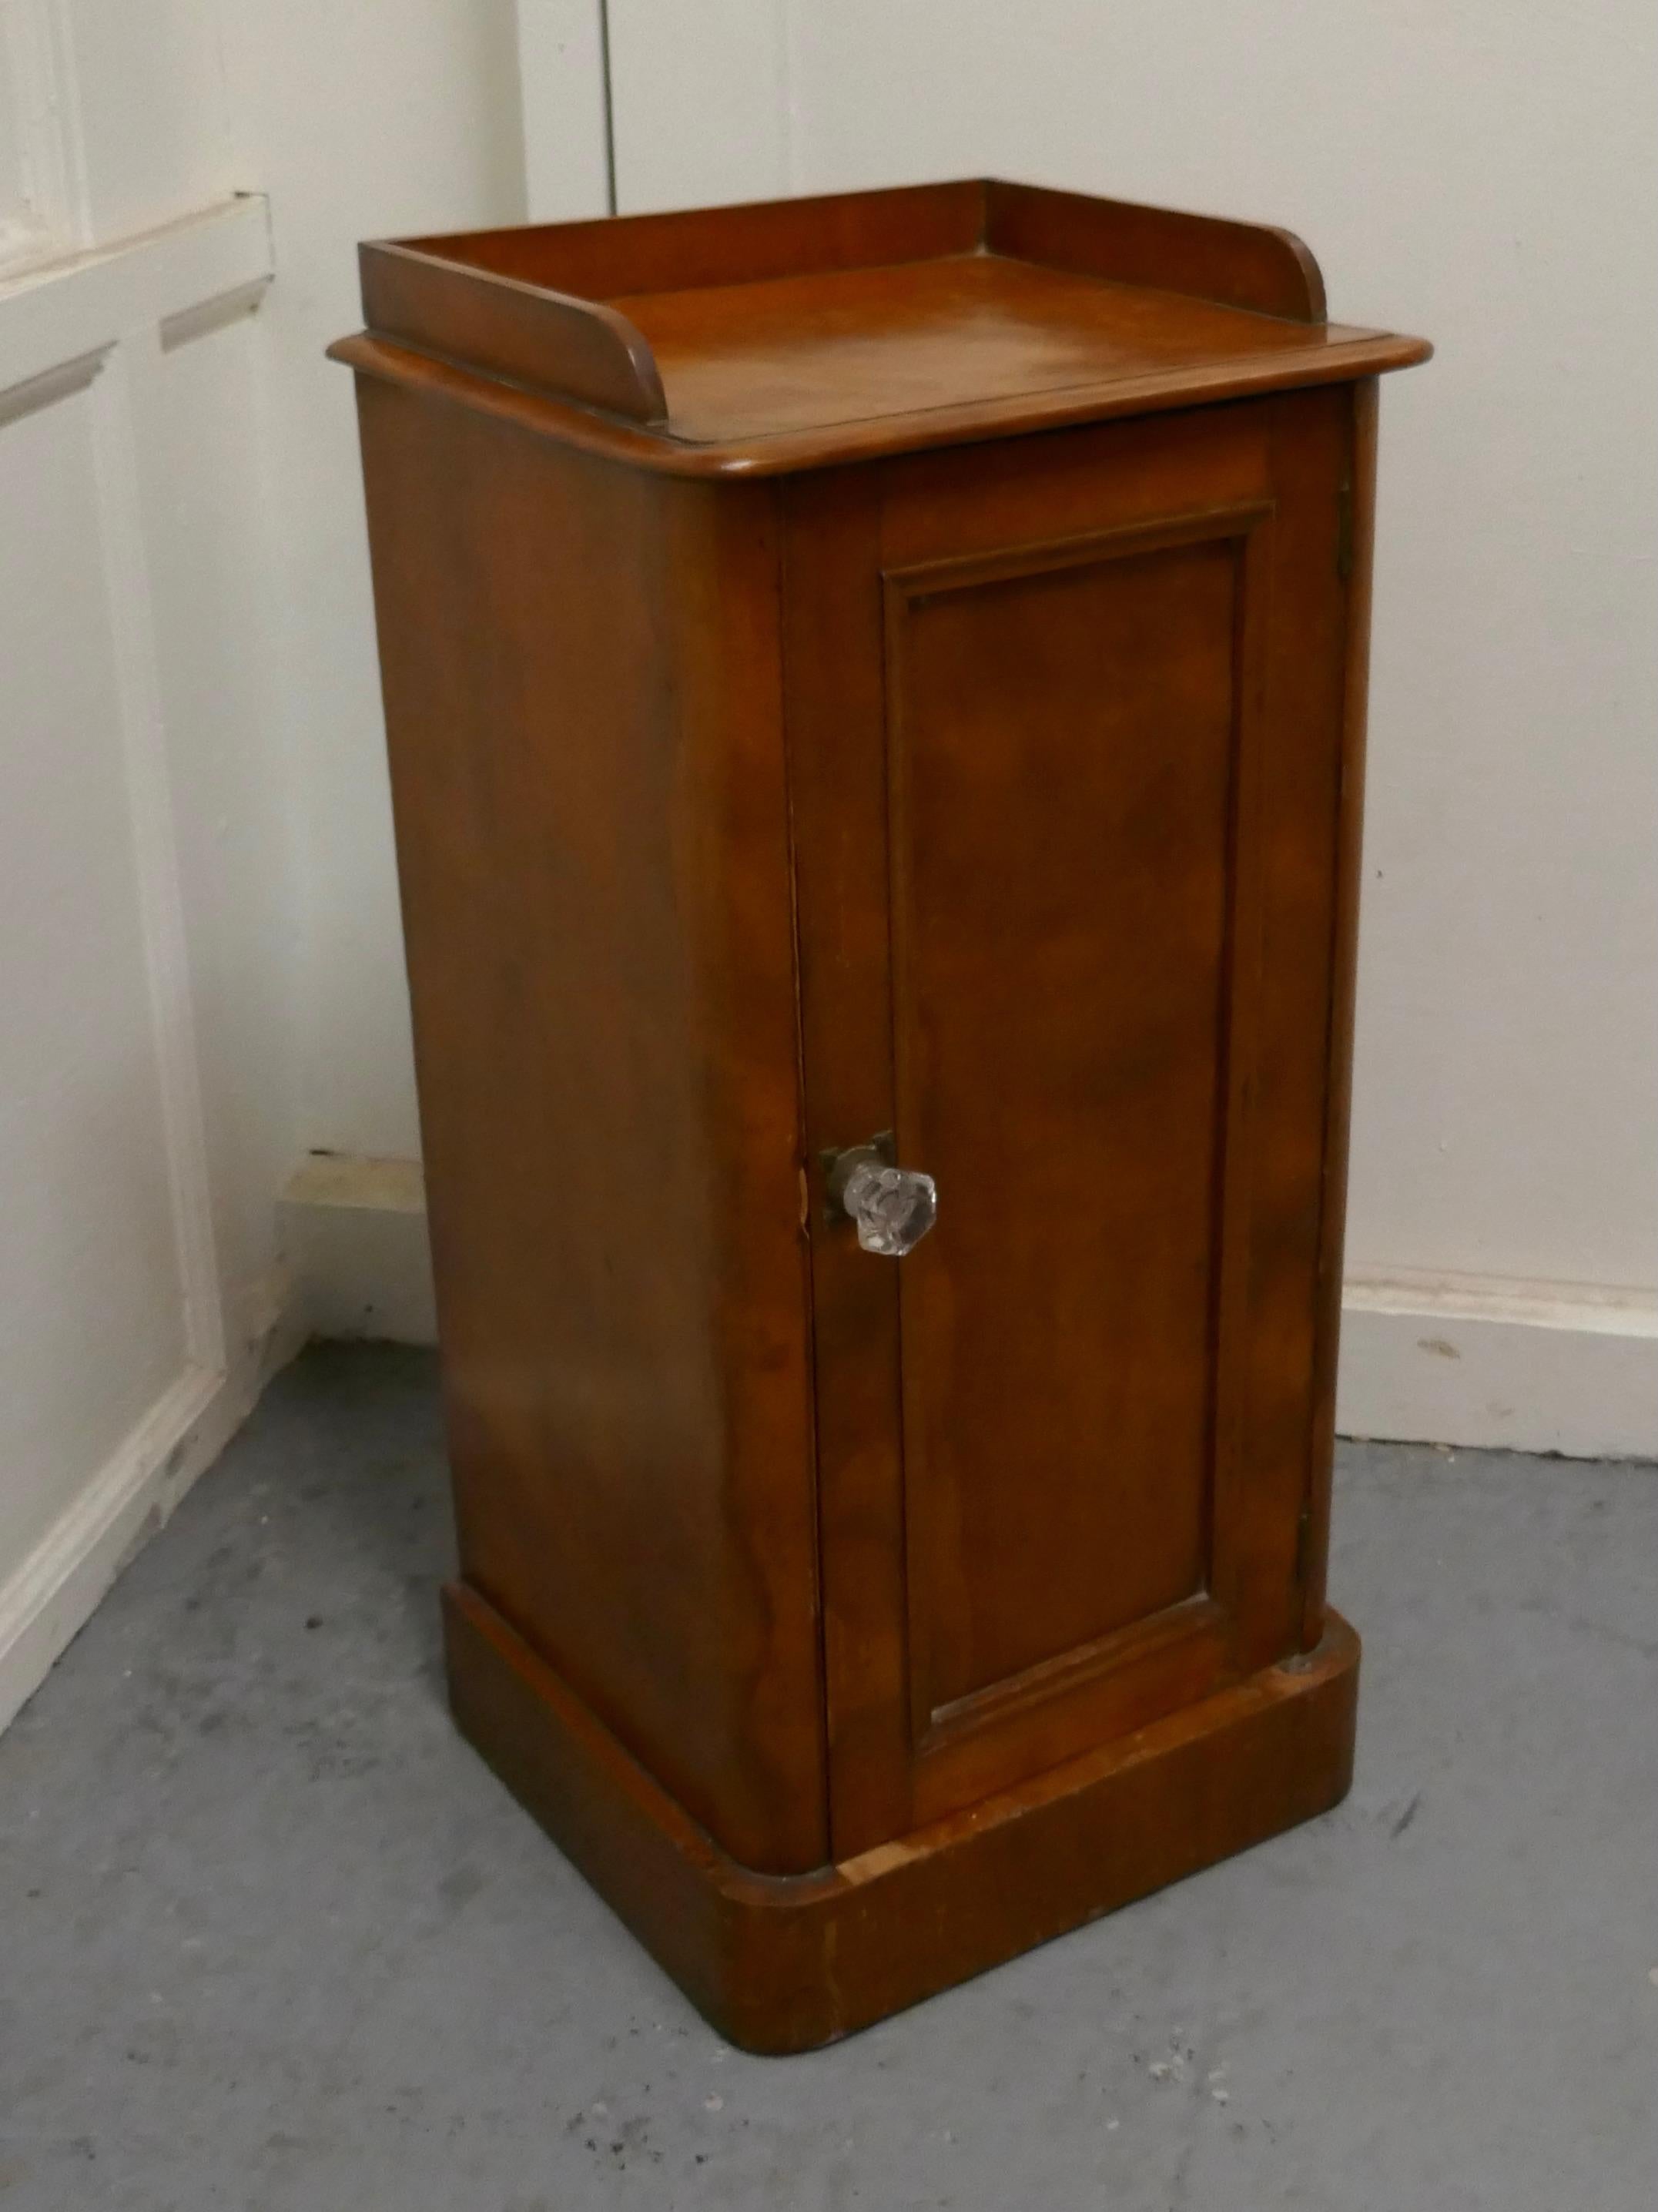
[116, 1380]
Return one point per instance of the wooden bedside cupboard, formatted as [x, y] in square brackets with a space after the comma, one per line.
[875, 692]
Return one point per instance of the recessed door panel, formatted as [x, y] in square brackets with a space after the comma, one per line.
[1062, 743]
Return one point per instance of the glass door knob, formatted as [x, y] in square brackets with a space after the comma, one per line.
[891, 1208]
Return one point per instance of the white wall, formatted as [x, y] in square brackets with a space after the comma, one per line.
[358, 122]
[200, 970]
[1483, 174]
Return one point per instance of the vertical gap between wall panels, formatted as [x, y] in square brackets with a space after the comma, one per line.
[610, 105]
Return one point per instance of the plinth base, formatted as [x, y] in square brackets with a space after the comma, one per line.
[784, 1963]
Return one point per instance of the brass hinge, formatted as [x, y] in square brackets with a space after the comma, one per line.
[1344, 531]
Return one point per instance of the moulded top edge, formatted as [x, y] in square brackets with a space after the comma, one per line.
[1350, 355]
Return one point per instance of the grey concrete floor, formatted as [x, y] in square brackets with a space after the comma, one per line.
[272, 1938]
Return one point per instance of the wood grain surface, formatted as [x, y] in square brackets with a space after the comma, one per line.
[888, 665]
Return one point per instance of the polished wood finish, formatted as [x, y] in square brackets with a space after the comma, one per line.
[578, 350]
[1240, 264]
[1354, 558]
[854, 1623]
[782, 1964]
[1116, 1042]
[590, 808]
[761, 340]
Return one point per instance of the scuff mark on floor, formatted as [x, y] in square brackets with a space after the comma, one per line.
[1407, 1817]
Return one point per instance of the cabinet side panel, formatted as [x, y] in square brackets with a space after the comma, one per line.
[580, 675]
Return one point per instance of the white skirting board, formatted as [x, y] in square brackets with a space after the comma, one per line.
[1538, 1367]
[52, 1593]
[354, 1233]
[1471, 1360]
[356, 1264]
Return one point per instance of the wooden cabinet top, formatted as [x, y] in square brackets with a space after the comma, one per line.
[790, 334]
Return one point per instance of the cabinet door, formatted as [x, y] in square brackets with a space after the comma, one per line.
[1065, 720]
